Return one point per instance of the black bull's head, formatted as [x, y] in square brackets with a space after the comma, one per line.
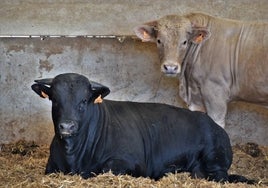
[71, 95]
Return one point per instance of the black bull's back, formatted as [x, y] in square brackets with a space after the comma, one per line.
[164, 138]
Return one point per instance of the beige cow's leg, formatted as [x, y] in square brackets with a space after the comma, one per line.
[216, 104]
[194, 98]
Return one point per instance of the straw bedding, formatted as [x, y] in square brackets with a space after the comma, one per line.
[22, 164]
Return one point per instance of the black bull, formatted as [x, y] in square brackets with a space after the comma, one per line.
[140, 139]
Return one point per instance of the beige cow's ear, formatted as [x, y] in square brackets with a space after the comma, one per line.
[146, 32]
[199, 35]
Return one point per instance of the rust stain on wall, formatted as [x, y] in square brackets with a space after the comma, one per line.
[15, 48]
[49, 47]
[45, 65]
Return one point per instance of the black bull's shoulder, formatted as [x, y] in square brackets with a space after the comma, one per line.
[144, 139]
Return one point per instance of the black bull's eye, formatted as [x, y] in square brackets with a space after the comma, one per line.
[82, 105]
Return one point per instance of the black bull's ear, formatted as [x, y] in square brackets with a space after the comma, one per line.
[42, 90]
[99, 90]
[40, 87]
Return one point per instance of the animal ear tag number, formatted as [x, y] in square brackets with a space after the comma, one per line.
[44, 95]
[98, 100]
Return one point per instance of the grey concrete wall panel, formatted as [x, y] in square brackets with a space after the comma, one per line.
[115, 17]
[129, 68]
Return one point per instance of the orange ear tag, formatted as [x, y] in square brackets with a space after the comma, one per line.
[199, 38]
[98, 100]
[44, 95]
[145, 36]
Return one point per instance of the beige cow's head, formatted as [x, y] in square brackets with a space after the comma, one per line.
[172, 34]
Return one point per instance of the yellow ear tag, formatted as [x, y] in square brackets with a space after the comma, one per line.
[44, 94]
[98, 100]
[199, 38]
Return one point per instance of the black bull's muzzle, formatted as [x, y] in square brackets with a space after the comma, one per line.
[67, 128]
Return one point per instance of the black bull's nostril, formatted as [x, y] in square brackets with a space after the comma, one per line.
[67, 128]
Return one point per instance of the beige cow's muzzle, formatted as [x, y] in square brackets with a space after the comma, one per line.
[170, 68]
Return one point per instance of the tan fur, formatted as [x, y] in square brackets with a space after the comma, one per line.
[224, 60]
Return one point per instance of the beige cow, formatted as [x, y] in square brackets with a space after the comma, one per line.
[217, 60]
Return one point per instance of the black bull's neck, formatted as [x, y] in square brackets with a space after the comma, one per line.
[84, 142]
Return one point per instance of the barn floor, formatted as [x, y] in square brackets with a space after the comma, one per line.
[22, 164]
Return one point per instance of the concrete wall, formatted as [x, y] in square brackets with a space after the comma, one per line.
[113, 17]
[129, 67]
